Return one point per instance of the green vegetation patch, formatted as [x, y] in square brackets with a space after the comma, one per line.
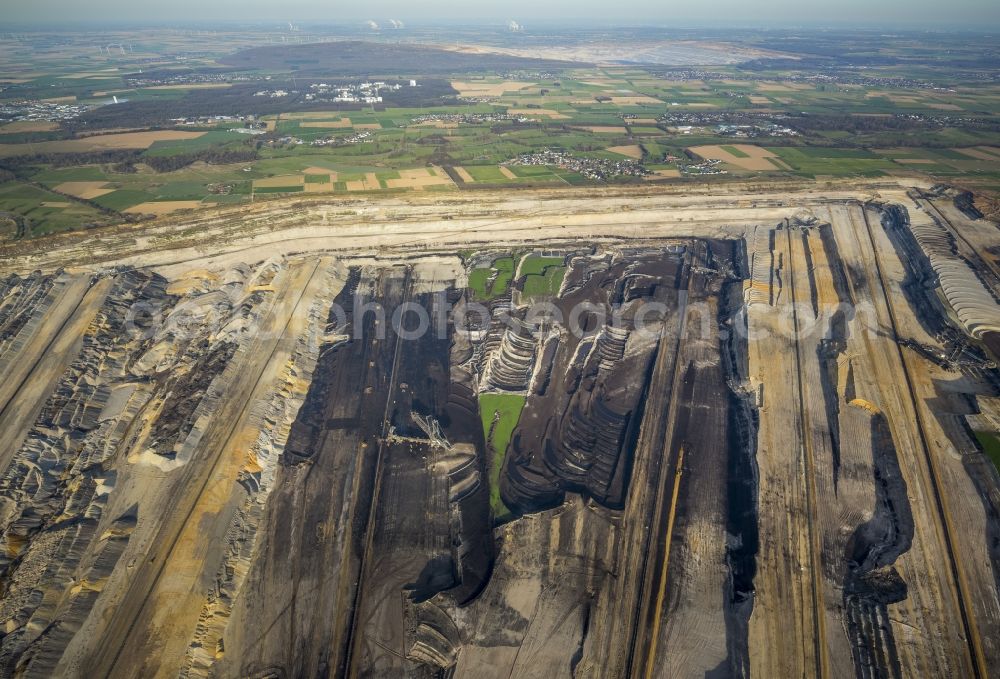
[533, 172]
[41, 212]
[991, 446]
[840, 162]
[213, 138]
[486, 173]
[739, 153]
[123, 199]
[536, 265]
[505, 409]
[483, 288]
[544, 275]
[278, 189]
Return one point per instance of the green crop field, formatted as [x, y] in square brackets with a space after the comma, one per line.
[42, 212]
[905, 110]
[735, 151]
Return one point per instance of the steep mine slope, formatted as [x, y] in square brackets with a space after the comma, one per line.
[710, 435]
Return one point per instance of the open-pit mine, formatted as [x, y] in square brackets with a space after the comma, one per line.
[689, 431]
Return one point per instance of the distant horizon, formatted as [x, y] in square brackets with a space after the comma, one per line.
[877, 14]
[538, 25]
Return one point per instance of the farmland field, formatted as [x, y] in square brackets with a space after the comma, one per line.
[275, 130]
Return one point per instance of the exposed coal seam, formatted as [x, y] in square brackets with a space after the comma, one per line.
[965, 202]
[813, 294]
[302, 444]
[828, 352]
[742, 483]
[836, 263]
[872, 581]
[833, 345]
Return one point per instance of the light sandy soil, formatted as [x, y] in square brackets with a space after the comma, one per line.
[632, 151]
[86, 190]
[783, 87]
[314, 115]
[664, 174]
[547, 112]
[316, 170]
[174, 600]
[128, 140]
[369, 183]
[163, 207]
[28, 382]
[602, 129]
[637, 100]
[317, 187]
[507, 172]
[268, 228]
[280, 180]
[464, 174]
[612, 53]
[420, 178]
[981, 152]
[439, 124]
[331, 124]
[885, 374]
[486, 89]
[757, 157]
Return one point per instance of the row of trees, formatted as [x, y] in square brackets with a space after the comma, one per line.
[125, 160]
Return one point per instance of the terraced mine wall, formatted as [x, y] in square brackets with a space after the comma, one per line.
[248, 483]
[919, 288]
[972, 300]
[55, 489]
[589, 414]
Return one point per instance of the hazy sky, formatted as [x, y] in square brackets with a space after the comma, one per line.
[976, 13]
